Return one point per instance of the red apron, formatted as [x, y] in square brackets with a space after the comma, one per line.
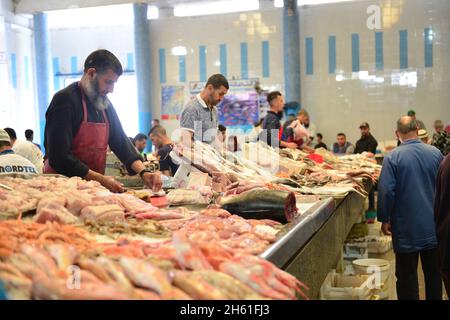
[90, 142]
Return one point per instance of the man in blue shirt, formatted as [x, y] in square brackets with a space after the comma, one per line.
[405, 207]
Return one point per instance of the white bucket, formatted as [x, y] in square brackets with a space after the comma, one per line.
[381, 268]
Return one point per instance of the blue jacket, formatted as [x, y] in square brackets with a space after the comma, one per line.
[406, 194]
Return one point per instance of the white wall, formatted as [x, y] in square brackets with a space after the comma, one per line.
[342, 106]
[18, 108]
[211, 31]
[334, 105]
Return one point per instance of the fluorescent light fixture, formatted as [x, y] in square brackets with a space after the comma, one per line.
[363, 75]
[430, 35]
[339, 77]
[91, 17]
[217, 63]
[408, 79]
[214, 7]
[280, 3]
[178, 51]
[152, 13]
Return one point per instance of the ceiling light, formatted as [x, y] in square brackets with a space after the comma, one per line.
[152, 13]
[178, 51]
[280, 3]
[214, 7]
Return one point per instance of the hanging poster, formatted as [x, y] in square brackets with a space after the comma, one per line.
[240, 109]
[235, 85]
[172, 98]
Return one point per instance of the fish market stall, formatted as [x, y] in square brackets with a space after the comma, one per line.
[231, 222]
[55, 225]
[313, 246]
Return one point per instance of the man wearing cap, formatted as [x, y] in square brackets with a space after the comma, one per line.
[11, 163]
[27, 150]
[81, 123]
[420, 124]
[422, 134]
[367, 143]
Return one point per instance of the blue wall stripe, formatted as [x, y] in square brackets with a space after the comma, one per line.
[265, 59]
[244, 60]
[403, 49]
[223, 59]
[428, 47]
[73, 64]
[355, 52]
[182, 68]
[202, 62]
[130, 61]
[56, 80]
[331, 54]
[14, 70]
[309, 55]
[27, 72]
[379, 59]
[162, 65]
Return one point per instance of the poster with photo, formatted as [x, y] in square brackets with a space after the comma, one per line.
[172, 98]
[240, 109]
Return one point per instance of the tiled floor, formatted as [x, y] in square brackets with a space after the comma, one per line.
[392, 293]
[390, 256]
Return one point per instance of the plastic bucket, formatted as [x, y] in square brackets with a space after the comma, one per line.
[370, 266]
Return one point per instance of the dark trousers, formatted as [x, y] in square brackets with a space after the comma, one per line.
[372, 198]
[446, 278]
[406, 273]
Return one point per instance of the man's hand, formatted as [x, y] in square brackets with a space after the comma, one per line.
[153, 180]
[111, 184]
[386, 228]
[307, 149]
[291, 145]
[108, 182]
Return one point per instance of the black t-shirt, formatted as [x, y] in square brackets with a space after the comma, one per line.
[321, 145]
[271, 122]
[367, 144]
[63, 119]
[165, 161]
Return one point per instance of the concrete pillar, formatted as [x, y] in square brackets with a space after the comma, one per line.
[143, 66]
[291, 46]
[44, 77]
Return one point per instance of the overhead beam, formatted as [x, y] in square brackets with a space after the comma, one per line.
[33, 6]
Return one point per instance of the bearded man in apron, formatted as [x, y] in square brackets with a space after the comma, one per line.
[81, 122]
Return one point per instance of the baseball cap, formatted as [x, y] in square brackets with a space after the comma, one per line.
[422, 133]
[364, 125]
[4, 136]
[411, 113]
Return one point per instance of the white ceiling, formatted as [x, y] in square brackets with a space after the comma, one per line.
[32, 6]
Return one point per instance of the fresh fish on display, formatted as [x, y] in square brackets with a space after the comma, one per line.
[262, 204]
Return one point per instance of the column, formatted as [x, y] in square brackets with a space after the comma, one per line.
[291, 46]
[143, 67]
[44, 77]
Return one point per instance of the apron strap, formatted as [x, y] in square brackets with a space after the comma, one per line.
[83, 102]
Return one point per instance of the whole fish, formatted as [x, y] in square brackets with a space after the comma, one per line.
[262, 204]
